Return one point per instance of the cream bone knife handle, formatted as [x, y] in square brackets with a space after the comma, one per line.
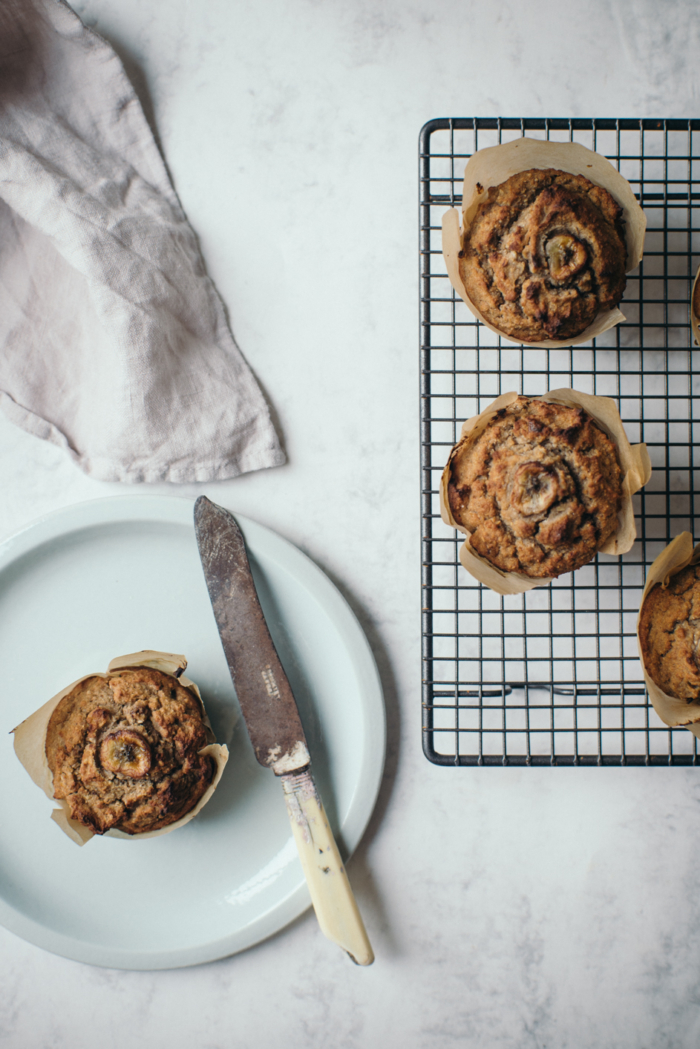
[331, 895]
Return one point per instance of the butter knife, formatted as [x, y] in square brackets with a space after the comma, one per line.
[274, 726]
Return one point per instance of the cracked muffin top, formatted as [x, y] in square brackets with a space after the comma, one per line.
[669, 634]
[539, 489]
[123, 751]
[544, 255]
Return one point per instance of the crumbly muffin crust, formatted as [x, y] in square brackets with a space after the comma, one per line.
[123, 751]
[539, 489]
[669, 634]
[544, 255]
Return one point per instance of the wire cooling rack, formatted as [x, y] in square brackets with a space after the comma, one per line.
[552, 677]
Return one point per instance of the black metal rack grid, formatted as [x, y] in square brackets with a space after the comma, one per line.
[552, 677]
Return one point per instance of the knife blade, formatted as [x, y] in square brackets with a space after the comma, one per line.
[272, 719]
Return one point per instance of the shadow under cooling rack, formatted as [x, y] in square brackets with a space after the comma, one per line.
[552, 677]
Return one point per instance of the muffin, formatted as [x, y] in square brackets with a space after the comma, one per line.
[695, 308]
[537, 490]
[129, 752]
[669, 635]
[124, 751]
[544, 255]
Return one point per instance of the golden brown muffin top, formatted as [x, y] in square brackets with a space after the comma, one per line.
[539, 489]
[669, 634]
[123, 751]
[544, 255]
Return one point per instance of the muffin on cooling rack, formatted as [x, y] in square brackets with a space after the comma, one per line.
[124, 751]
[544, 255]
[669, 634]
[537, 489]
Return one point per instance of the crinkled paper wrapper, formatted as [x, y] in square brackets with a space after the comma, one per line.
[492, 166]
[677, 556]
[634, 460]
[695, 307]
[30, 746]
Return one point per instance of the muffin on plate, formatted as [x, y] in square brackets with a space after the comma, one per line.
[537, 490]
[669, 634]
[544, 255]
[129, 752]
[124, 751]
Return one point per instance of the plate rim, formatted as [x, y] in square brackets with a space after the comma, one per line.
[178, 510]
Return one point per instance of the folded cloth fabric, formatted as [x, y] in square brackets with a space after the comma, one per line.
[113, 341]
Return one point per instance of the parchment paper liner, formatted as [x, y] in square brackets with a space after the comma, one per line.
[678, 555]
[634, 460]
[492, 166]
[30, 746]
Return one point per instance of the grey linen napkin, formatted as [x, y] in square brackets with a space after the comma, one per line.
[113, 341]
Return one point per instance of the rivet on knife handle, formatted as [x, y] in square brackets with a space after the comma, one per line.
[324, 870]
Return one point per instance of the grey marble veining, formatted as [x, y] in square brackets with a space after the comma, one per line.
[511, 909]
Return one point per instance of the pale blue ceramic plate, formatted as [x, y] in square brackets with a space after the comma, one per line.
[113, 576]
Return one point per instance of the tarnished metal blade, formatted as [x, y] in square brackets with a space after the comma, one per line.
[263, 691]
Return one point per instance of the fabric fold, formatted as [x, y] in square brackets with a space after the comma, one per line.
[114, 341]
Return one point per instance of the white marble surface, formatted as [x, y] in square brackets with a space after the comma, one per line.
[508, 908]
